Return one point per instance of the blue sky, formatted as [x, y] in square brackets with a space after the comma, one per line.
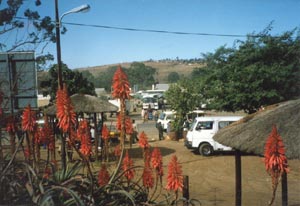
[90, 46]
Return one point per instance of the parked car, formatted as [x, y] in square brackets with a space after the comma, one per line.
[202, 130]
[165, 118]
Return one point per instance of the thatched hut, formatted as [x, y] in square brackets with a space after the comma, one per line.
[250, 133]
[84, 103]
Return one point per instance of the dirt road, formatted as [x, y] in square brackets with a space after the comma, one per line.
[212, 179]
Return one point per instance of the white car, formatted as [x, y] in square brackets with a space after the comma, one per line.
[164, 118]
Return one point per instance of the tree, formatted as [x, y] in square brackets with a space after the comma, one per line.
[74, 80]
[104, 79]
[173, 77]
[89, 76]
[141, 75]
[262, 70]
[40, 32]
[182, 99]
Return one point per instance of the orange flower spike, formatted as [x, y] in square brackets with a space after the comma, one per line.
[117, 151]
[156, 160]
[103, 176]
[119, 120]
[65, 110]
[127, 167]
[84, 134]
[11, 127]
[143, 140]
[121, 87]
[175, 176]
[275, 159]
[47, 135]
[28, 119]
[37, 136]
[105, 132]
[148, 179]
[128, 126]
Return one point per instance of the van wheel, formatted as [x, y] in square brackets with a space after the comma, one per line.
[205, 149]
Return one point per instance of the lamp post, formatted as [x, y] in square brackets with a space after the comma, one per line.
[58, 20]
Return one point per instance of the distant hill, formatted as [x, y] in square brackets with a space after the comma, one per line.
[164, 68]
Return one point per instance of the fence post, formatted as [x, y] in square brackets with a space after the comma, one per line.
[185, 190]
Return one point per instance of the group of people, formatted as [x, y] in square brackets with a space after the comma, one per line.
[149, 114]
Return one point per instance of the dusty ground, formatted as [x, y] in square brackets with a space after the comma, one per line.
[212, 179]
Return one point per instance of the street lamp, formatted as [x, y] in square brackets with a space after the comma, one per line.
[58, 20]
[82, 8]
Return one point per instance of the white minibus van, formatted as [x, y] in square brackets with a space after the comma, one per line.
[202, 130]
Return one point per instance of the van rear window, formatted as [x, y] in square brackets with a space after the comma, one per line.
[223, 124]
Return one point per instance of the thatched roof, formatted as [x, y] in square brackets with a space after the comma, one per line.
[87, 104]
[250, 134]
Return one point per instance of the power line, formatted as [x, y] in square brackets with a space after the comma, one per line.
[154, 30]
[160, 31]
[157, 31]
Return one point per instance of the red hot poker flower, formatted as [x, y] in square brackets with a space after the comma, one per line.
[65, 110]
[11, 125]
[105, 132]
[275, 159]
[121, 87]
[103, 176]
[175, 177]
[28, 119]
[143, 140]
[156, 160]
[128, 124]
[117, 151]
[84, 134]
[148, 179]
[127, 167]
[47, 136]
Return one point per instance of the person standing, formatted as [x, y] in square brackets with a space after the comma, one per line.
[134, 135]
[160, 131]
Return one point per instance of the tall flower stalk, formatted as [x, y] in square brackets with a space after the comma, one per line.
[275, 159]
[66, 118]
[128, 167]
[121, 91]
[175, 176]
[105, 138]
[103, 176]
[29, 126]
[83, 133]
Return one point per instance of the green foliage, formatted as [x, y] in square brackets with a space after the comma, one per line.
[88, 76]
[138, 74]
[173, 77]
[141, 75]
[35, 37]
[104, 79]
[182, 98]
[75, 81]
[262, 70]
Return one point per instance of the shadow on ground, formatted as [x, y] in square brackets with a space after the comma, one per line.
[137, 153]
